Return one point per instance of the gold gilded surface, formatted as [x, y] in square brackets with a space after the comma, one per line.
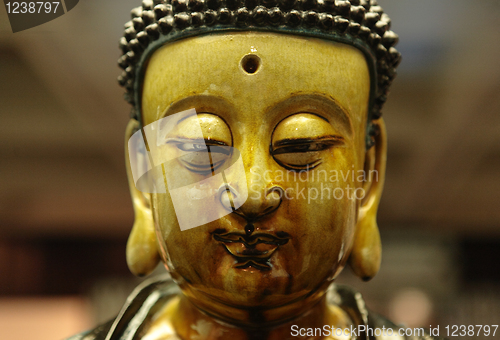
[296, 110]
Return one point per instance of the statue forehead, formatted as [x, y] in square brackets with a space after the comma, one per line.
[287, 65]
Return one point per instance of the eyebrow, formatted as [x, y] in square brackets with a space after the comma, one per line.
[326, 104]
[184, 118]
[191, 101]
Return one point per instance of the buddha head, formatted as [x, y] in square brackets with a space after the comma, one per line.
[279, 104]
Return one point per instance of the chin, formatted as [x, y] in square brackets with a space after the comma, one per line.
[253, 286]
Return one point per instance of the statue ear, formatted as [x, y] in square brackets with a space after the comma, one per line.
[366, 252]
[142, 251]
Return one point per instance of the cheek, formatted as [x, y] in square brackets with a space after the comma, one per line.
[326, 216]
[164, 215]
[193, 197]
[165, 222]
[187, 253]
[176, 245]
[322, 207]
[322, 220]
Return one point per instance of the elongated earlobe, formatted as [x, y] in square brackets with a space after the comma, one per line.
[142, 250]
[366, 253]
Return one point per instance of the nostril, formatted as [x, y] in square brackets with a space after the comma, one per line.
[226, 201]
[275, 194]
[273, 199]
[227, 197]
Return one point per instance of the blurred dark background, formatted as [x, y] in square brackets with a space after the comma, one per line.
[65, 210]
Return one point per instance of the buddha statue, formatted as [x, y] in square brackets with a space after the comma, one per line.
[256, 159]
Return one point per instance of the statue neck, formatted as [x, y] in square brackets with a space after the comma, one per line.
[257, 317]
[187, 318]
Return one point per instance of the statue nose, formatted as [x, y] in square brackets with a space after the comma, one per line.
[257, 205]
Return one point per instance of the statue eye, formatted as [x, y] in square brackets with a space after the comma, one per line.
[204, 157]
[192, 146]
[301, 146]
[299, 140]
[200, 143]
[302, 154]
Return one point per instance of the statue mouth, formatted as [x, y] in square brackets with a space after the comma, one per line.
[251, 250]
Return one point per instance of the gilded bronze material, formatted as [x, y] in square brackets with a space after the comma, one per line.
[296, 87]
[273, 259]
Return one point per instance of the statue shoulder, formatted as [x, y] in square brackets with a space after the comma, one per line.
[136, 311]
[373, 324]
[98, 333]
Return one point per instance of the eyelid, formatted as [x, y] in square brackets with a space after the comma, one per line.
[209, 142]
[330, 140]
[308, 166]
[307, 149]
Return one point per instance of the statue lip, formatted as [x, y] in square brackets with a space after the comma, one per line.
[259, 246]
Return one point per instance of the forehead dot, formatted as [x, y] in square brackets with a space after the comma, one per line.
[250, 63]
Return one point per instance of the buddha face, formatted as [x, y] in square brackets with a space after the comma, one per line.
[295, 108]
